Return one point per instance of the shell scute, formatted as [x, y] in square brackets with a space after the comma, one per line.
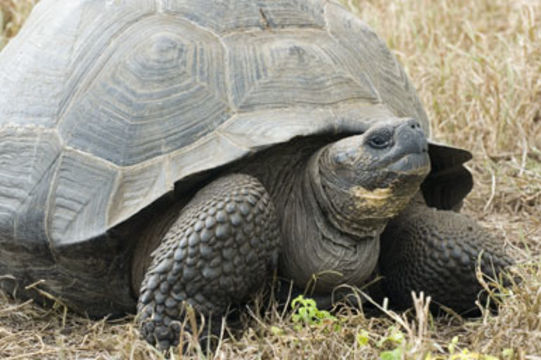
[141, 94]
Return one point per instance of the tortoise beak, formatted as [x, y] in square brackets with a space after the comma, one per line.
[413, 157]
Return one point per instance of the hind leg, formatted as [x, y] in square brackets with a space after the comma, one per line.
[437, 251]
[217, 253]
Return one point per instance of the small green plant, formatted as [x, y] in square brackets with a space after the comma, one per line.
[307, 313]
[465, 354]
[395, 339]
[399, 348]
[363, 338]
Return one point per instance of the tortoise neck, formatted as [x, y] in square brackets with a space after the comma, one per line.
[359, 226]
[317, 251]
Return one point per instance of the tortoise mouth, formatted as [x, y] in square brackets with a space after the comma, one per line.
[411, 164]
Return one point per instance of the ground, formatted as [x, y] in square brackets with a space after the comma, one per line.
[477, 66]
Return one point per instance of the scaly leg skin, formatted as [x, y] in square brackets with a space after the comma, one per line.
[221, 247]
[437, 251]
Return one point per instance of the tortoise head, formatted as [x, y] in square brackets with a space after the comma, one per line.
[364, 180]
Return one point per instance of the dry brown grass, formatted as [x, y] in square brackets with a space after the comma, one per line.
[13, 13]
[477, 66]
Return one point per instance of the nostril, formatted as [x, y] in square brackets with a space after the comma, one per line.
[415, 125]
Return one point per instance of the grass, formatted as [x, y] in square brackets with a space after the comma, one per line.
[13, 13]
[477, 68]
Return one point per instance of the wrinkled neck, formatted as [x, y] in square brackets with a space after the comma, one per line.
[319, 250]
[348, 219]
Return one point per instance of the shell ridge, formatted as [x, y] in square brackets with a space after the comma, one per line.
[282, 58]
[224, 48]
[48, 211]
[79, 190]
[196, 93]
[227, 76]
[23, 199]
[225, 136]
[160, 6]
[114, 190]
[102, 59]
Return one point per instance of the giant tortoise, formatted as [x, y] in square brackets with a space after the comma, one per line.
[158, 153]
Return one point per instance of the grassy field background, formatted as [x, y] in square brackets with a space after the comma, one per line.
[477, 66]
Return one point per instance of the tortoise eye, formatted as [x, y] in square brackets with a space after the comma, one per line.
[381, 140]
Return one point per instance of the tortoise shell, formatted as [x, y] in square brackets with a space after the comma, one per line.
[106, 104]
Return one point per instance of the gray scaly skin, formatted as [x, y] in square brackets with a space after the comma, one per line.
[216, 253]
[437, 252]
[326, 223]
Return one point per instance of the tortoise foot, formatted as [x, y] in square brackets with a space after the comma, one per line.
[216, 254]
[437, 252]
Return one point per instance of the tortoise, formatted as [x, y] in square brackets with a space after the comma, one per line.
[156, 153]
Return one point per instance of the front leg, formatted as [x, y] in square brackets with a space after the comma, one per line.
[218, 251]
[437, 251]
